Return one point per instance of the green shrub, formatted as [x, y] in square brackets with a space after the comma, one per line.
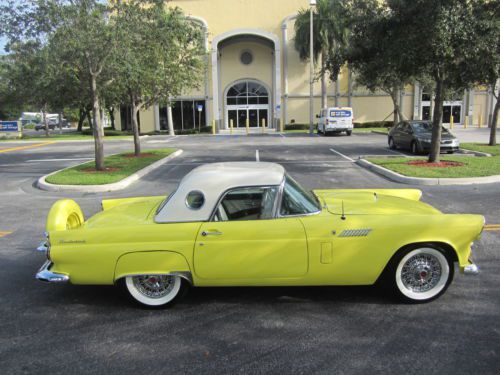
[107, 132]
[373, 124]
[204, 129]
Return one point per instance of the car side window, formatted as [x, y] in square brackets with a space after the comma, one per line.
[252, 203]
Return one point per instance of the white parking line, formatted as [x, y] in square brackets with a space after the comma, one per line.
[342, 155]
[257, 157]
[42, 160]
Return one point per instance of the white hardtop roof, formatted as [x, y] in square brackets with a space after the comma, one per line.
[213, 180]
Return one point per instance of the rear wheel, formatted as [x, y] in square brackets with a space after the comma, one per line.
[156, 291]
[418, 275]
[392, 145]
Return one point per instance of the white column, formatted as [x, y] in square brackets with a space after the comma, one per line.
[416, 101]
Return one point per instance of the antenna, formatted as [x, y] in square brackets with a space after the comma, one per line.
[343, 213]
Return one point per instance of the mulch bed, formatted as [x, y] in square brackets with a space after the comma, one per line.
[142, 155]
[441, 164]
[106, 170]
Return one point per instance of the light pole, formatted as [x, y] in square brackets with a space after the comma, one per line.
[312, 3]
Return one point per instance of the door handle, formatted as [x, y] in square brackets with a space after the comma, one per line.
[211, 233]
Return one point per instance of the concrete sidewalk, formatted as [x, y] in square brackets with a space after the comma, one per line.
[481, 135]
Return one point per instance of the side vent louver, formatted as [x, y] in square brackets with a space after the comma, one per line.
[355, 233]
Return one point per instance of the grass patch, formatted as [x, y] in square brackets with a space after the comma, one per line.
[472, 167]
[117, 168]
[482, 147]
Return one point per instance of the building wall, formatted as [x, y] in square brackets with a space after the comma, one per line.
[267, 15]
[232, 69]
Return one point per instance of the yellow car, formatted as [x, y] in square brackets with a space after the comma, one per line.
[251, 224]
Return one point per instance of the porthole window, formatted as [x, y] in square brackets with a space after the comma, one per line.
[246, 58]
[195, 200]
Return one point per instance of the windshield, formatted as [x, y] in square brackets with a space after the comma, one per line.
[425, 127]
[296, 200]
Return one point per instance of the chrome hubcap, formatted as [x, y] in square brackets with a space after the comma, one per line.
[421, 273]
[154, 286]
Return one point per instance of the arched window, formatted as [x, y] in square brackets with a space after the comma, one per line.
[247, 93]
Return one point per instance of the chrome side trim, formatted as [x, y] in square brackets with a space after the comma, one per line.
[44, 274]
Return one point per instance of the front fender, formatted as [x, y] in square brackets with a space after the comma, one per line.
[151, 263]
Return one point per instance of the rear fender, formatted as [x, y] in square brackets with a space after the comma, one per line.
[152, 263]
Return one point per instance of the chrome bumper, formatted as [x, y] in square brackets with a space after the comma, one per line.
[44, 274]
[471, 269]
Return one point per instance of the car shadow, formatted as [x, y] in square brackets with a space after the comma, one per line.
[111, 296]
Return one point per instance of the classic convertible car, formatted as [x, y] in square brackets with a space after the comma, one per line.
[251, 224]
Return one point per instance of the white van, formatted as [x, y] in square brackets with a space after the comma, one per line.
[335, 120]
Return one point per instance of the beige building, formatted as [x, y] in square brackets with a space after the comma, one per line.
[253, 72]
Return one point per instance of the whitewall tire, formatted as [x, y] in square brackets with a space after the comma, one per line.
[421, 274]
[155, 290]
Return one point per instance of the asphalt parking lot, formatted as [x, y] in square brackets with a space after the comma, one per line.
[329, 330]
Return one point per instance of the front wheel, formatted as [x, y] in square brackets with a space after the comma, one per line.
[420, 274]
[156, 291]
[348, 132]
[414, 148]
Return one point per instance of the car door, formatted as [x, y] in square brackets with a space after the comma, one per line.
[244, 240]
[406, 135]
[396, 135]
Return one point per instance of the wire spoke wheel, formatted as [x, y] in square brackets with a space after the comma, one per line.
[422, 274]
[154, 290]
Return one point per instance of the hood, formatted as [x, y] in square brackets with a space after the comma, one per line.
[124, 213]
[371, 203]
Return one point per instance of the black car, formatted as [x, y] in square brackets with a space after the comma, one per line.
[416, 136]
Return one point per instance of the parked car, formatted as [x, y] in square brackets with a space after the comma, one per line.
[251, 224]
[53, 123]
[335, 120]
[416, 136]
[41, 126]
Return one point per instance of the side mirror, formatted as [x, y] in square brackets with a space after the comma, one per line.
[317, 116]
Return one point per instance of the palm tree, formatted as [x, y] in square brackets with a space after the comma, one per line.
[330, 37]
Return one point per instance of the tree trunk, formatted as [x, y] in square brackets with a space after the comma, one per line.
[394, 97]
[111, 113]
[135, 128]
[436, 123]
[89, 118]
[170, 120]
[493, 125]
[59, 118]
[81, 118]
[97, 129]
[324, 97]
[45, 122]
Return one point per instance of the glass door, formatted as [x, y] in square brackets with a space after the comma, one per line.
[263, 116]
[232, 115]
[242, 117]
[254, 118]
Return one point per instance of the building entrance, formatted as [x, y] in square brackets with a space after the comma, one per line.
[247, 100]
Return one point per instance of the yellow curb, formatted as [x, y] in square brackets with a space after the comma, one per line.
[25, 147]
